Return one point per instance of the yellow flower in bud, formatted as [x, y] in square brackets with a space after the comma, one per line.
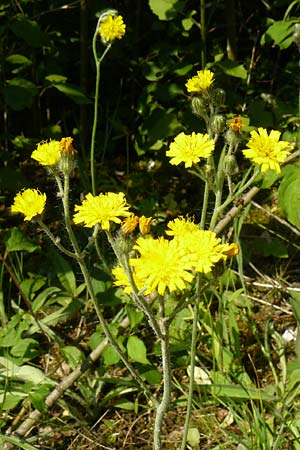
[236, 124]
[145, 224]
[111, 27]
[47, 153]
[66, 146]
[129, 224]
[201, 82]
[231, 250]
[30, 202]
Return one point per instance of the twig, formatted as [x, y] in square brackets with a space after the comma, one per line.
[279, 219]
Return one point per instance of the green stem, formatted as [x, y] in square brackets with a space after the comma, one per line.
[204, 206]
[203, 33]
[166, 397]
[192, 367]
[96, 104]
[56, 241]
[136, 296]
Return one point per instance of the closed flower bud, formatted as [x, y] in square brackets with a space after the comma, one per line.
[199, 106]
[129, 224]
[218, 97]
[145, 224]
[230, 165]
[218, 124]
[232, 137]
[67, 162]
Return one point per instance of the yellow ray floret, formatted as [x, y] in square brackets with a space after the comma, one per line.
[201, 82]
[112, 27]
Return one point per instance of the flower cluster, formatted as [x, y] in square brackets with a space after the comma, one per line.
[170, 264]
[131, 222]
[189, 149]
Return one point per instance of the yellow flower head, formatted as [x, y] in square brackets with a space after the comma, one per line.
[102, 209]
[145, 224]
[30, 202]
[236, 124]
[204, 249]
[190, 148]
[47, 153]
[162, 265]
[111, 27]
[180, 227]
[129, 224]
[267, 150]
[201, 82]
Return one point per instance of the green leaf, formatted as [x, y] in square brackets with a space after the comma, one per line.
[9, 399]
[55, 78]
[193, 437]
[17, 241]
[18, 59]
[281, 32]
[73, 92]
[152, 376]
[64, 272]
[22, 373]
[73, 355]
[110, 356]
[19, 93]
[16, 441]
[28, 30]
[289, 194]
[233, 69]
[40, 300]
[165, 9]
[39, 395]
[137, 350]
[135, 316]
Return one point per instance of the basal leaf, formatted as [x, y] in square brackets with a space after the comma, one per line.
[137, 350]
[17, 241]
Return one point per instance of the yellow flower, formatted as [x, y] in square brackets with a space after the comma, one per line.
[47, 153]
[204, 249]
[162, 265]
[201, 82]
[111, 27]
[129, 224]
[180, 227]
[102, 209]
[30, 202]
[121, 279]
[145, 224]
[267, 150]
[190, 148]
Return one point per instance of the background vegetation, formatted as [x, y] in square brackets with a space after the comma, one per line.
[46, 91]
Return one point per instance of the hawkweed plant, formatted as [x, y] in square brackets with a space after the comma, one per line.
[153, 270]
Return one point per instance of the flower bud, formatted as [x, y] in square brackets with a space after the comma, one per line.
[230, 165]
[218, 97]
[218, 124]
[232, 137]
[199, 106]
[145, 224]
[129, 224]
[68, 153]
